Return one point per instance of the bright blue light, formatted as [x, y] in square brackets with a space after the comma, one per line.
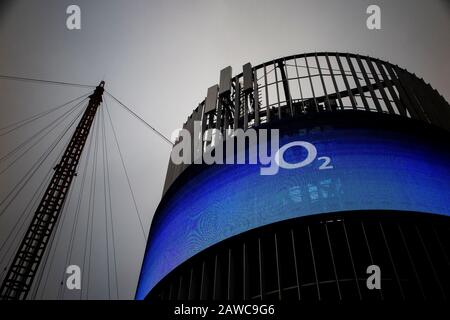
[371, 170]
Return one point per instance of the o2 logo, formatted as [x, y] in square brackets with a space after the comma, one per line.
[311, 155]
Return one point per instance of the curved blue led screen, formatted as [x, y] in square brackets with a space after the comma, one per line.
[355, 169]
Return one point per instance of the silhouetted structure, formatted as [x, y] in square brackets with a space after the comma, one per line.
[25, 264]
[382, 136]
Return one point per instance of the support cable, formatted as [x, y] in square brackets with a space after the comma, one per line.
[25, 79]
[142, 120]
[35, 135]
[28, 209]
[110, 207]
[31, 202]
[21, 123]
[102, 115]
[54, 244]
[126, 172]
[92, 208]
[30, 173]
[50, 128]
[89, 221]
[61, 290]
[21, 273]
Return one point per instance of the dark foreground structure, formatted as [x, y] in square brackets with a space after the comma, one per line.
[377, 191]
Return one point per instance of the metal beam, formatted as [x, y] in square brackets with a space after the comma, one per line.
[22, 271]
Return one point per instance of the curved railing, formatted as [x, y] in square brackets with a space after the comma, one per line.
[319, 82]
[296, 85]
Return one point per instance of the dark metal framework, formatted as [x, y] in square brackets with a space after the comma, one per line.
[25, 264]
[322, 258]
[295, 86]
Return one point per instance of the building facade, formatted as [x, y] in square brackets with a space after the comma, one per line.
[371, 188]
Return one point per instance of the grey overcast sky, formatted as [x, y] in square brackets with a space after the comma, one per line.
[159, 57]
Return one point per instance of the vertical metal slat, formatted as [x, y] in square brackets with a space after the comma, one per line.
[237, 104]
[294, 250]
[411, 261]
[347, 86]
[405, 87]
[278, 90]
[358, 84]
[379, 86]
[314, 264]
[402, 95]
[267, 94]
[278, 267]
[255, 97]
[336, 89]
[311, 84]
[333, 262]
[287, 91]
[261, 270]
[369, 84]
[327, 100]
[399, 104]
[351, 259]
[392, 260]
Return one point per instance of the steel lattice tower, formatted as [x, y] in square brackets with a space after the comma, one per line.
[25, 265]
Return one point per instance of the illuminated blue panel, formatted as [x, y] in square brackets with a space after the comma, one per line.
[369, 170]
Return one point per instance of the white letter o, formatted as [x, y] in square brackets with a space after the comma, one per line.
[310, 148]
